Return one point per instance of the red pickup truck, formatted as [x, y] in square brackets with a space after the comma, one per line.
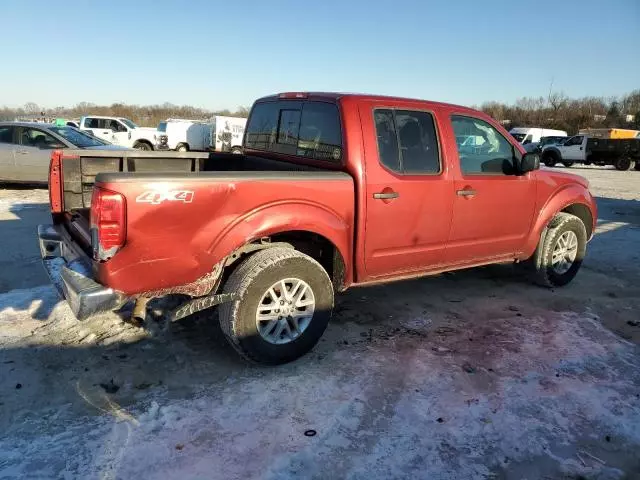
[332, 191]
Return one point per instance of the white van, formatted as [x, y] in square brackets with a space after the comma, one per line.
[184, 135]
[227, 133]
[526, 135]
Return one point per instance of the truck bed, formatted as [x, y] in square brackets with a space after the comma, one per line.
[80, 167]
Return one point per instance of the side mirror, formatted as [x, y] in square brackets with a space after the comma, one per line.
[530, 162]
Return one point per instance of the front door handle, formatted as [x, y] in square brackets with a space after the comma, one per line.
[385, 195]
[466, 192]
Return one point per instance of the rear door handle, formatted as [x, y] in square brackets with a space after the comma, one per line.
[467, 192]
[385, 195]
[23, 152]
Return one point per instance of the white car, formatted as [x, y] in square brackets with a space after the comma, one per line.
[120, 131]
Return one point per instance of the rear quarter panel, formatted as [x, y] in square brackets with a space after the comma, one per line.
[181, 226]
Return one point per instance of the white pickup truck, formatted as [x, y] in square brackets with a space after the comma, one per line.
[619, 152]
[120, 131]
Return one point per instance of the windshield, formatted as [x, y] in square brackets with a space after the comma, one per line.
[519, 136]
[162, 127]
[128, 122]
[77, 138]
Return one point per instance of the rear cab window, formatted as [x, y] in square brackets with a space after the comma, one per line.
[308, 129]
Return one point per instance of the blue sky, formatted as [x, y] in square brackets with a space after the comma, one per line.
[216, 54]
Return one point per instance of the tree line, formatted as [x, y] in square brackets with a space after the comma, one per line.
[557, 111]
[143, 115]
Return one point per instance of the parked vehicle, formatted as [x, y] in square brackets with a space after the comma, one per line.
[120, 131]
[227, 133]
[544, 141]
[184, 135]
[621, 152]
[25, 148]
[526, 135]
[610, 133]
[306, 211]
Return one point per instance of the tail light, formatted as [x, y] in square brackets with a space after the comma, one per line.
[55, 182]
[108, 223]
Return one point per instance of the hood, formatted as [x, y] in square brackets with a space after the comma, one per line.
[108, 147]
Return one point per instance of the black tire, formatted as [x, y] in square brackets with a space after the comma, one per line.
[250, 281]
[183, 147]
[142, 146]
[237, 150]
[637, 166]
[567, 164]
[541, 261]
[622, 163]
[550, 159]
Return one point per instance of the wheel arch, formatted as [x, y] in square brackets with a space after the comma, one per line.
[310, 228]
[573, 199]
[145, 141]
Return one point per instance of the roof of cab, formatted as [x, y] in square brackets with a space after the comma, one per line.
[335, 96]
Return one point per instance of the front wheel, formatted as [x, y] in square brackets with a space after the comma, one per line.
[236, 150]
[567, 164]
[560, 252]
[285, 301]
[182, 148]
[549, 159]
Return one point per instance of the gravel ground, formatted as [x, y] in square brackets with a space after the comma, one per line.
[469, 375]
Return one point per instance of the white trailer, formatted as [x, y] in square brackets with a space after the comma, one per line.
[227, 133]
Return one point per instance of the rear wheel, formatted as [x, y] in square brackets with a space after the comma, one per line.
[637, 166]
[142, 146]
[560, 252]
[567, 164]
[622, 163]
[182, 148]
[285, 300]
[236, 150]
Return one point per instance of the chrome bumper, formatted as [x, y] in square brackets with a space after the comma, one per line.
[70, 272]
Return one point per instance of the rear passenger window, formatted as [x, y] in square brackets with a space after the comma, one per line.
[306, 129]
[407, 141]
[95, 123]
[6, 134]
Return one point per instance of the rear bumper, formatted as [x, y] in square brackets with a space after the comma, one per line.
[70, 271]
